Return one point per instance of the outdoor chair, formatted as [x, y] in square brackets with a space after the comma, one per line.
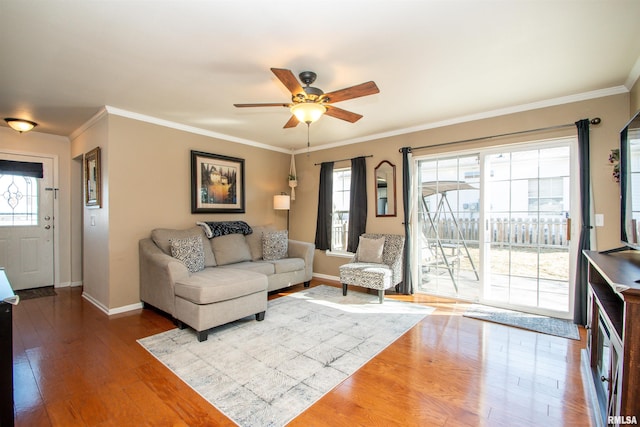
[377, 263]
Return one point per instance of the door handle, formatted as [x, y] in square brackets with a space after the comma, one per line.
[46, 227]
[47, 218]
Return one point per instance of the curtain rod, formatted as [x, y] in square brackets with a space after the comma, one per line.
[595, 121]
[342, 160]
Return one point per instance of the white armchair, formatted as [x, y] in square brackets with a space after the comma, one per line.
[376, 265]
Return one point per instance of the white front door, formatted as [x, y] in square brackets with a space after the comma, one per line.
[26, 225]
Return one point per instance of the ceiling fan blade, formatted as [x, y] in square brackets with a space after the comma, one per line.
[364, 89]
[293, 122]
[339, 113]
[272, 104]
[289, 80]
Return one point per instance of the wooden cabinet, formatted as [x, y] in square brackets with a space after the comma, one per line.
[613, 340]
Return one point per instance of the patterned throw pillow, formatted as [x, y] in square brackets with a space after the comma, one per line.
[190, 251]
[275, 245]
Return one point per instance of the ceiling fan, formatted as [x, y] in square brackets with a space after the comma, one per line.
[309, 103]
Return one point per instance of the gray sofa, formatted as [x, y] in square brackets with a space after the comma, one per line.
[221, 279]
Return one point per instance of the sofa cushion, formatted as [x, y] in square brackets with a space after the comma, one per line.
[189, 251]
[161, 236]
[230, 249]
[254, 240]
[262, 267]
[287, 265]
[370, 250]
[275, 245]
[219, 284]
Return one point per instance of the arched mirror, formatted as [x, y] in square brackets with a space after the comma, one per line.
[385, 174]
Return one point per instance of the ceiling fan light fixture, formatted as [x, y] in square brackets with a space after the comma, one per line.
[308, 112]
[20, 125]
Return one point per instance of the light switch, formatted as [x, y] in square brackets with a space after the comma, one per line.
[93, 221]
[599, 220]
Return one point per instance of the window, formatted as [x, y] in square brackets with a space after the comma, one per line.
[18, 201]
[340, 213]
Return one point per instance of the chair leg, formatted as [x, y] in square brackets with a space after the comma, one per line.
[260, 316]
[381, 295]
[307, 283]
[344, 289]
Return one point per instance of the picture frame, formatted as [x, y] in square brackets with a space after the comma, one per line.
[92, 178]
[217, 183]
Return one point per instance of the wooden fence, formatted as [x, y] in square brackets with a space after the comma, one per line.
[515, 232]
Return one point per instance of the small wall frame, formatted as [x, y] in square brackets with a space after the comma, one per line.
[92, 178]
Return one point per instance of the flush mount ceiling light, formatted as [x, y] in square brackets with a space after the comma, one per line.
[20, 125]
[308, 112]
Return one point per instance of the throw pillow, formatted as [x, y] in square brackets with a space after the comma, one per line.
[162, 236]
[230, 249]
[275, 245]
[190, 251]
[370, 250]
[254, 240]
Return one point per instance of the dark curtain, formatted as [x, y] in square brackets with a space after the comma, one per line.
[325, 207]
[11, 167]
[357, 203]
[406, 287]
[584, 243]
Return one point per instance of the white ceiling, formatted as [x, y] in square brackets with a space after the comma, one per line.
[187, 62]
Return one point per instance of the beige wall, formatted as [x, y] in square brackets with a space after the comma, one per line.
[613, 110]
[96, 251]
[50, 145]
[149, 175]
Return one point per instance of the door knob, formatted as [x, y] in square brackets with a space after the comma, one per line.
[47, 218]
[46, 227]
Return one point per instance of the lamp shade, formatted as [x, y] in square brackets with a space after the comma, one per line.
[281, 202]
[20, 125]
[308, 112]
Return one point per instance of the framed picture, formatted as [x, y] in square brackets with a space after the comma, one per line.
[92, 182]
[217, 183]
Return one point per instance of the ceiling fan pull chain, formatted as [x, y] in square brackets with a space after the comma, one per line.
[308, 143]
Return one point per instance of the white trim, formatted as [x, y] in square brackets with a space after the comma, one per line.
[125, 308]
[86, 125]
[617, 90]
[585, 96]
[326, 277]
[95, 302]
[112, 311]
[634, 74]
[191, 129]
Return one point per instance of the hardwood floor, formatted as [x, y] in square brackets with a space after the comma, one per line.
[74, 366]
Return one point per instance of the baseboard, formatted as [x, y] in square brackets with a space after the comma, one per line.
[111, 311]
[125, 308]
[326, 277]
[95, 302]
[67, 285]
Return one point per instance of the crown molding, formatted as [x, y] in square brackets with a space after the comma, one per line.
[634, 74]
[191, 129]
[86, 125]
[617, 90]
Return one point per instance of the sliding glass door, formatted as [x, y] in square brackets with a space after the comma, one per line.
[493, 227]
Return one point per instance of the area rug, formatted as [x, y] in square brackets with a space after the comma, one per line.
[546, 325]
[267, 373]
[46, 291]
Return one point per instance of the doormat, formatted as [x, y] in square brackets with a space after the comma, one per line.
[533, 322]
[47, 291]
[266, 373]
